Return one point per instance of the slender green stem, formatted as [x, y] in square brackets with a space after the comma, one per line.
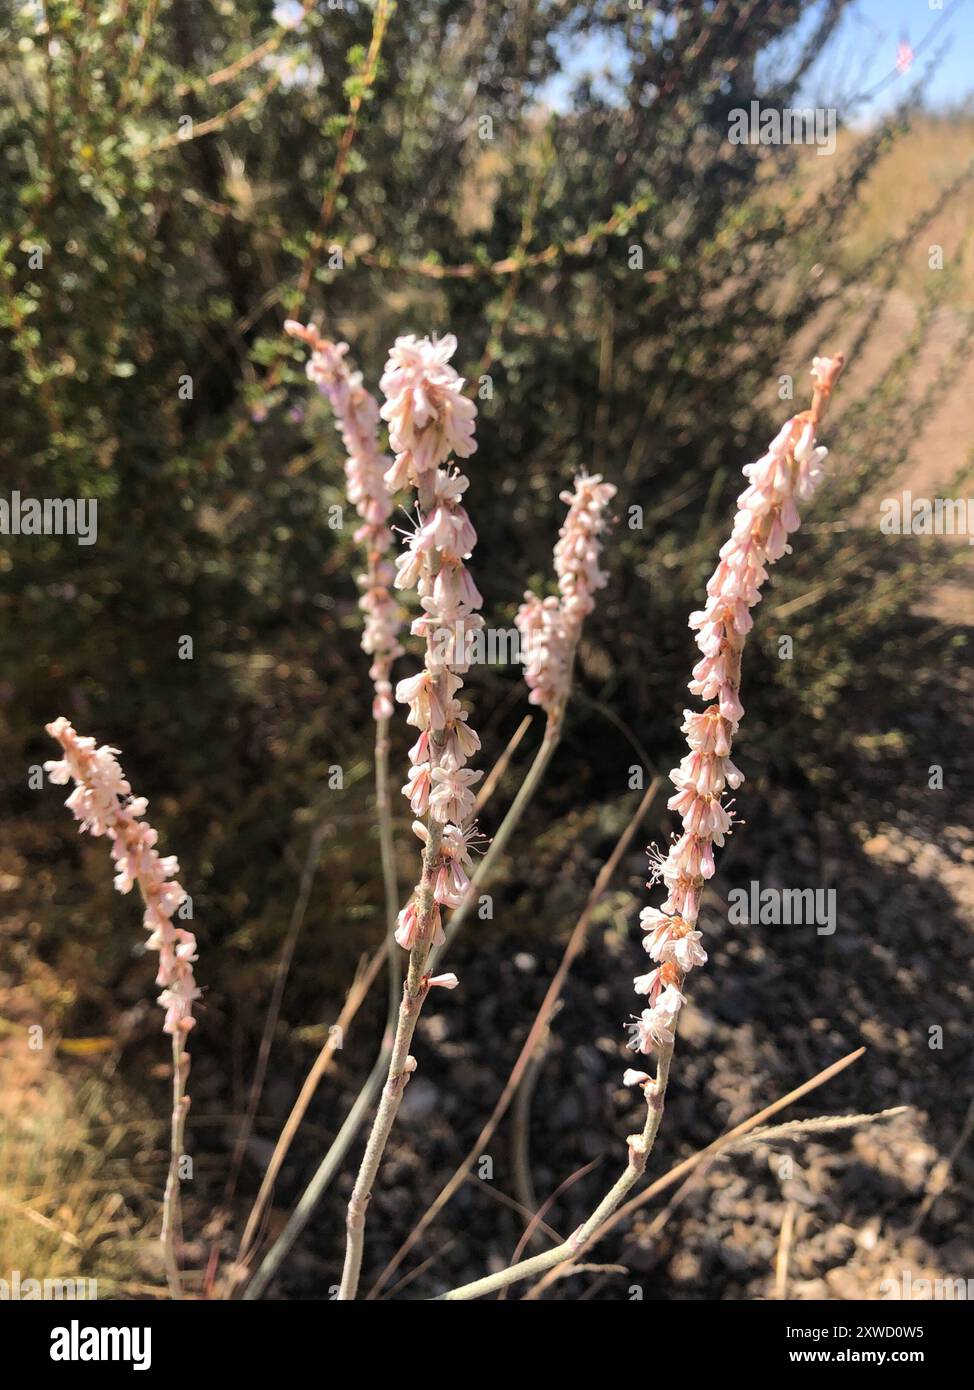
[640, 1147]
[400, 1066]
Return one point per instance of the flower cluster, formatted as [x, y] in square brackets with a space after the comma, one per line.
[767, 513]
[103, 802]
[430, 419]
[357, 416]
[550, 627]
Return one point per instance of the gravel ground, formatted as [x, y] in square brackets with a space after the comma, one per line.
[852, 1213]
[837, 1213]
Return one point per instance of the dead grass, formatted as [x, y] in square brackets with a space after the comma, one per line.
[911, 176]
[73, 1170]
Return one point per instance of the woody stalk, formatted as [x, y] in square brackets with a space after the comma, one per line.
[430, 420]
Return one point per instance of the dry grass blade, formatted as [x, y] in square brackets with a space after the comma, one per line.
[356, 995]
[784, 1251]
[501, 765]
[682, 1170]
[937, 1181]
[821, 1124]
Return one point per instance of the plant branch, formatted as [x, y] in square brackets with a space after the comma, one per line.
[345, 1137]
[299, 1217]
[575, 945]
[171, 1199]
[611, 1214]
[640, 1147]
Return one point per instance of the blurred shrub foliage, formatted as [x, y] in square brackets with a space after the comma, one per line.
[628, 289]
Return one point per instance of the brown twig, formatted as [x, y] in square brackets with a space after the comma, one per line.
[536, 1220]
[940, 1172]
[263, 50]
[356, 997]
[784, 1251]
[501, 765]
[298, 914]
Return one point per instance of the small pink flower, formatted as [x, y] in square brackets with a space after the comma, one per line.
[631, 1077]
[688, 951]
[420, 693]
[407, 927]
[646, 984]
[453, 585]
[730, 706]
[654, 1027]
[417, 788]
[451, 884]
[449, 531]
[452, 799]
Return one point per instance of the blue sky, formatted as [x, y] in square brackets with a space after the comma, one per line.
[861, 57]
[870, 36]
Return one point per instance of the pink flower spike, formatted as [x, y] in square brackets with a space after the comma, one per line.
[429, 420]
[767, 513]
[550, 628]
[356, 415]
[103, 803]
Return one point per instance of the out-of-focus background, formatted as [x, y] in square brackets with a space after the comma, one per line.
[554, 183]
